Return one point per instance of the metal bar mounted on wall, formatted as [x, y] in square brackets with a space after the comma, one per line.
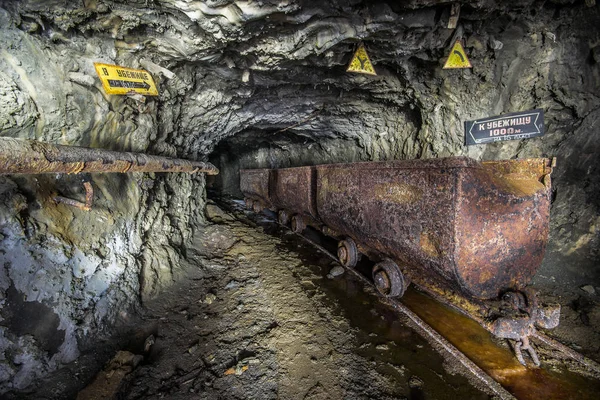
[18, 156]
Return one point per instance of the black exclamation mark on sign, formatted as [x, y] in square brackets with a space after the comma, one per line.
[105, 71]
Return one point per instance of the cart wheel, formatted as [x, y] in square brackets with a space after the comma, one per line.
[347, 253]
[283, 217]
[298, 224]
[249, 204]
[257, 207]
[388, 279]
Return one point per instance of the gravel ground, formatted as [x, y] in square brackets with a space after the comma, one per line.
[262, 320]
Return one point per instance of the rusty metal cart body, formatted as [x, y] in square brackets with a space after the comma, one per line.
[454, 226]
[477, 227]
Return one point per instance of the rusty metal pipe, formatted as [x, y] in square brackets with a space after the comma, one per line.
[18, 156]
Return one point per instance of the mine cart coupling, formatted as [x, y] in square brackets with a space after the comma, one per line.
[517, 320]
[18, 156]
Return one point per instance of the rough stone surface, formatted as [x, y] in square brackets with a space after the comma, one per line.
[260, 84]
[335, 271]
[68, 275]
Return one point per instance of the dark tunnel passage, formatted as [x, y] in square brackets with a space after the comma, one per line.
[273, 149]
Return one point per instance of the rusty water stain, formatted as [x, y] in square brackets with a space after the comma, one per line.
[430, 244]
[398, 193]
[525, 383]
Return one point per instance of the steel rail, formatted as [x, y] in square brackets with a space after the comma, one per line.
[427, 331]
[589, 363]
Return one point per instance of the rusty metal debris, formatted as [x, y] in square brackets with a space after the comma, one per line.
[19, 156]
[89, 196]
[519, 316]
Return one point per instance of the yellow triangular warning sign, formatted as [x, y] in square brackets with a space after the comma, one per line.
[457, 58]
[361, 62]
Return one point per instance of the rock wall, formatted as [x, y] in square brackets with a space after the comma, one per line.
[260, 84]
[532, 55]
[68, 275]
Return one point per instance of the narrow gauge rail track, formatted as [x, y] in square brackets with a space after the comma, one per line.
[512, 381]
[425, 329]
[519, 387]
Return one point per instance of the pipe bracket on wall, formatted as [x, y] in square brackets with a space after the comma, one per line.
[89, 197]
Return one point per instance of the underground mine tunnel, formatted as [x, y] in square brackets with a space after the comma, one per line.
[131, 269]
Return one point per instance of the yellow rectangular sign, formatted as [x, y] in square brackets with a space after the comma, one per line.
[122, 80]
